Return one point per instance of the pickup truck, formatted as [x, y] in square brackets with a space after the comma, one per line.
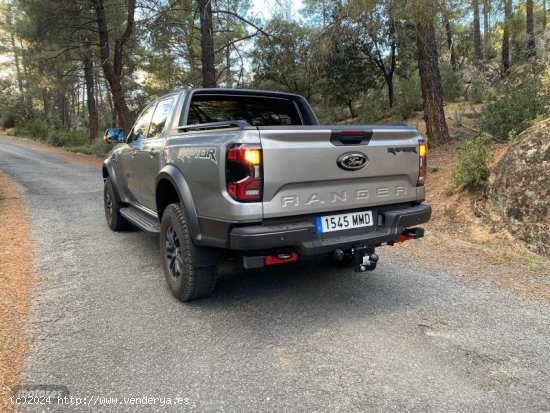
[251, 175]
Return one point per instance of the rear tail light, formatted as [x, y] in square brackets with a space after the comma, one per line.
[422, 165]
[243, 172]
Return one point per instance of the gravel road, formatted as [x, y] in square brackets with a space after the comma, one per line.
[302, 338]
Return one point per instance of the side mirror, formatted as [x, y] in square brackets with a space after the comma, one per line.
[114, 135]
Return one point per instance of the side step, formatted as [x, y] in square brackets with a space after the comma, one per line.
[141, 220]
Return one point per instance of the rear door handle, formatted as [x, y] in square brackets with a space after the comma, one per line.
[153, 153]
[133, 153]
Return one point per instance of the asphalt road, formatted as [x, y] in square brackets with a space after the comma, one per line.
[302, 338]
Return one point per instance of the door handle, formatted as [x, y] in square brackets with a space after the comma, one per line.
[153, 153]
[133, 154]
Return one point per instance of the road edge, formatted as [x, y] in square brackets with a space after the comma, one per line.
[17, 278]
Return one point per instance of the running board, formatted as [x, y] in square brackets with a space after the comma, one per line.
[141, 220]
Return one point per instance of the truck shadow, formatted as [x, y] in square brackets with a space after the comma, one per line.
[311, 287]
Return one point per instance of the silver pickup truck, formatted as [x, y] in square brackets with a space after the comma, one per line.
[251, 175]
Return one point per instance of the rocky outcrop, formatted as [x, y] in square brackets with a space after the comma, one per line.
[519, 187]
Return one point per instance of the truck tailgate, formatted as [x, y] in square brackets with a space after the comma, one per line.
[302, 173]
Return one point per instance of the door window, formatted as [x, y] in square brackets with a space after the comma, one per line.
[163, 110]
[141, 127]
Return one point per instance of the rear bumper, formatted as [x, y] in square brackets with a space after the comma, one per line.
[302, 236]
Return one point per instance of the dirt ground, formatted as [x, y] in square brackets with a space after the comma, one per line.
[16, 279]
[468, 236]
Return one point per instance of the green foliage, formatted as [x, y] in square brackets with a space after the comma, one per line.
[13, 109]
[515, 109]
[72, 140]
[288, 60]
[473, 162]
[13, 112]
[451, 82]
[344, 73]
[96, 148]
[478, 89]
[68, 138]
[408, 96]
[449, 191]
[35, 129]
[372, 107]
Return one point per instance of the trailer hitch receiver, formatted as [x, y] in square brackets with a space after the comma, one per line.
[364, 259]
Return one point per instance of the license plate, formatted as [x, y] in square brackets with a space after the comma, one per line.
[331, 223]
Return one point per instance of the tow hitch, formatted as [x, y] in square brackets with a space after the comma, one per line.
[364, 259]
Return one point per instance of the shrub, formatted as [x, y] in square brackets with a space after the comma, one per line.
[57, 138]
[96, 148]
[372, 106]
[35, 129]
[14, 110]
[451, 82]
[478, 89]
[515, 110]
[473, 162]
[68, 138]
[77, 138]
[408, 98]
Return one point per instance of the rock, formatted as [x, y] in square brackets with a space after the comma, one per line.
[519, 187]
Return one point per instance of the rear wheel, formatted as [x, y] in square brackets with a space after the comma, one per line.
[187, 281]
[112, 208]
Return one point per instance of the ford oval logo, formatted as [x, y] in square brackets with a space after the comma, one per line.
[352, 161]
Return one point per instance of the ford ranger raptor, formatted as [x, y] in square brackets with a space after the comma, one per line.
[252, 175]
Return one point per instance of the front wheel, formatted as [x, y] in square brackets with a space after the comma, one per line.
[187, 281]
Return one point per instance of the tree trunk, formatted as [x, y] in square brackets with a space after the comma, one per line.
[391, 90]
[228, 75]
[112, 110]
[349, 104]
[113, 70]
[98, 99]
[530, 27]
[505, 59]
[450, 43]
[486, 28]
[207, 44]
[93, 118]
[478, 51]
[393, 64]
[17, 66]
[543, 14]
[45, 103]
[430, 79]
[62, 109]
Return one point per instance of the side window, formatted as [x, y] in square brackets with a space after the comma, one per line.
[164, 107]
[141, 127]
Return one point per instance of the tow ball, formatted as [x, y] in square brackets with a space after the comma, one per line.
[364, 259]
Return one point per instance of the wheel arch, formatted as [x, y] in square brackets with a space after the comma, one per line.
[171, 186]
[108, 171]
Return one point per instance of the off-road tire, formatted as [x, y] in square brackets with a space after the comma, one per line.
[186, 281]
[112, 208]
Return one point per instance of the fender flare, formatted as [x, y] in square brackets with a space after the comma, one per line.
[178, 181]
[109, 170]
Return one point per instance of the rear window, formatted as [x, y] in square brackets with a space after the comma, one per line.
[256, 110]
